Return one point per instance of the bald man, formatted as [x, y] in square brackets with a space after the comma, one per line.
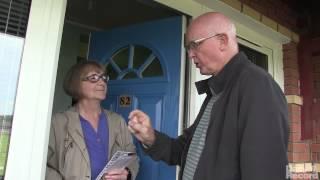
[241, 131]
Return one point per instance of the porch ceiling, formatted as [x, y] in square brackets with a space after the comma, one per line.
[104, 14]
[308, 16]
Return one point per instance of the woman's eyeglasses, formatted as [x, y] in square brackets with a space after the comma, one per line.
[96, 77]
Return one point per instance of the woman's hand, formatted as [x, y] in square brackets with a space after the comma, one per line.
[116, 174]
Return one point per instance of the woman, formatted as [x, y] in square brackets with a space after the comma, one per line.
[83, 138]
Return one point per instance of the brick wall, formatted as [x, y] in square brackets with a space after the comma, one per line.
[276, 10]
[298, 150]
[303, 155]
[315, 61]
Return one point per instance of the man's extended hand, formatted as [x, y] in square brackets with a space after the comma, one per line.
[140, 126]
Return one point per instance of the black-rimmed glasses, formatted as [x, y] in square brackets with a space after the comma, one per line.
[96, 77]
[192, 45]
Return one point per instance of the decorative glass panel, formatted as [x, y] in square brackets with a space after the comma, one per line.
[154, 69]
[134, 62]
[130, 75]
[141, 54]
[121, 58]
[111, 72]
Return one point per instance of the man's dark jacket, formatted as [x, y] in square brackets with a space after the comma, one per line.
[247, 135]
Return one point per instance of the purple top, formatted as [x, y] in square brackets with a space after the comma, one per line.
[97, 143]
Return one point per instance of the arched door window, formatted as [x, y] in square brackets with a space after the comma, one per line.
[134, 62]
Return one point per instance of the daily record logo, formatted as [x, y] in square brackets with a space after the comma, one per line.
[303, 175]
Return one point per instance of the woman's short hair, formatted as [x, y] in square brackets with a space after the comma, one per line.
[76, 73]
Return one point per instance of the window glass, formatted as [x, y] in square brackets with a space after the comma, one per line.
[140, 56]
[121, 58]
[256, 57]
[154, 69]
[10, 55]
[14, 16]
[140, 63]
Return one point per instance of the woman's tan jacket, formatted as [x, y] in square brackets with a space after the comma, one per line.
[68, 158]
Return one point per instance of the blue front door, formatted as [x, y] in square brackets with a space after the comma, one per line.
[143, 62]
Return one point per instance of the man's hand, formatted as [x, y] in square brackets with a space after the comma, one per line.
[117, 174]
[140, 126]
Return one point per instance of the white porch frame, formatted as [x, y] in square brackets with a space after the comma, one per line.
[32, 112]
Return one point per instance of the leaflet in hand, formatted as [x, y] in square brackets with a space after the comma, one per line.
[119, 160]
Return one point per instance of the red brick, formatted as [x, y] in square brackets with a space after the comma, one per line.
[295, 118]
[278, 11]
[318, 139]
[299, 147]
[245, 1]
[315, 43]
[316, 68]
[295, 137]
[315, 147]
[290, 46]
[291, 82]
[291, 55]
[314, 157]
[316, 76]
[295, 128]
[294, 107]
[291, 73]
[295, 115]
[316, 122]
[291, 90]
[301, 157]
[317, 93]
[290, 58]
[315, 59]
[288, 63]
[317, 84]
[259, 7]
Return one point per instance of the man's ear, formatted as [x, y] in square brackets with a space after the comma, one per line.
[224, 41]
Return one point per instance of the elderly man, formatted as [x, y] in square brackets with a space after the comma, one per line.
[241, 132]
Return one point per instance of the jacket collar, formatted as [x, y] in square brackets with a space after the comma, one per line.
[218, 83]
[75, 130]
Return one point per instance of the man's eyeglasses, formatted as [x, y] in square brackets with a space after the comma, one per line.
[96, 77]
[192, 45]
